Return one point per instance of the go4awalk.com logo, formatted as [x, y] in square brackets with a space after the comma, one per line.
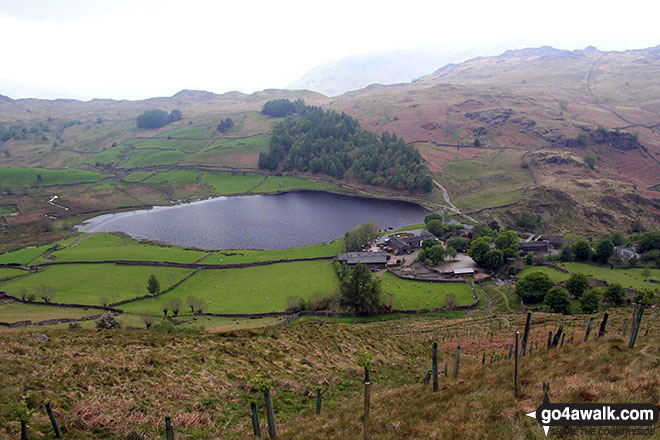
[608, 419]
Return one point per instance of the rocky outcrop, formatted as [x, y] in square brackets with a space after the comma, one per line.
[494, 117]
[614, 139]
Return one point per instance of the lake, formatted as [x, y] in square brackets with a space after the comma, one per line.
[258, 221]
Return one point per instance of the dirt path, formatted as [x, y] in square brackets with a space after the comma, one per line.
[452, 207]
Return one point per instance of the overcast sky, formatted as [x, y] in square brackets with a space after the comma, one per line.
[138, 49]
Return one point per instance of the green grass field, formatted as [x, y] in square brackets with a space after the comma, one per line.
[245, 144]
[228, 183]
[285, 183]
[188, 132]
[626, 277]
[189, 145]
[410, 294]
[137, 176]
[103, 246]
[494, 179]
[13, 311]
[142, 158]
[256, 289]
[250, 255]
[178, 177]
[89, 284]
[6, 273]
[555, 275]
[16, 177]
[25, 255]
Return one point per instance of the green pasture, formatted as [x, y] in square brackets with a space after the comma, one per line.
[143, 158]
[179, 177]
[13, 311]
[188, 145]
[25, 255]
[89, 284]
[104, 246]
[255, 289]
[631, 278]
[241, 143]
[7, 273]
[15, 177]
[250, 255]
[285, 183]
[410, 294]
[230, 183]
[555, 275]
[138, 176]
[188, 132]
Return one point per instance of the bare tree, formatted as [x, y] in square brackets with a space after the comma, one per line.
[148, 321]
[175, 306]
[46, 293]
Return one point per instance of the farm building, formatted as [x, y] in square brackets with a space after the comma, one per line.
[534, 246]
[371, 259]
[463, 272]
[626, 253]
[556, 242]
[399, 246]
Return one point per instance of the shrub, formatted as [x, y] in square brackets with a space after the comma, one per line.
[557, 301]
[577, 284]
[533, 287]
[590, 301]
[108, 321]
[615, 294]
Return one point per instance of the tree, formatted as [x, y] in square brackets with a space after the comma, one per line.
[354, 240]
[648, 241]
[459, 243]
[432, 216]
[175, 306]
[153, 119]
[148, 321]
[479, 248]
[196, 305]
[577, 284]
[646, 297]
[435, 254]
[225, 125]
[604, 250]
[618, 238]
[646, 273]
[46, 293]
[280, 108]
[615, 294]
[429, 243]
[533, 287]
[590, 159]
[165, 307]
[153, 286]
[493, 259]
[108, 321]
[451, 252]
[583, 140]
[361, 292]
[590, 301]
[581, 250]
[557, 300]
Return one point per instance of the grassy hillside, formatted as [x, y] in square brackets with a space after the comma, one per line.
[121, 384]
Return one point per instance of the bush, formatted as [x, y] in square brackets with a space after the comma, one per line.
[590, 301]
[557, 301]
[108, 321]
[577, 284]
[533, 287]
[615, 294]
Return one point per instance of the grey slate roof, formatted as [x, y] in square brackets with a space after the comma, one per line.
[363, 257]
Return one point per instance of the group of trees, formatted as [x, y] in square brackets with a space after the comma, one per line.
[324, 141]
[537, 287]
[157, 118]
[491, 257]
[529, 220]
[581, 250]
[225, 125]
[279, 108]
[357, 238]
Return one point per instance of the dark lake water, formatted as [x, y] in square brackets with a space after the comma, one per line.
[258, 222]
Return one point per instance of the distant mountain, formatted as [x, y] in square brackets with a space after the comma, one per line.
[356, 72]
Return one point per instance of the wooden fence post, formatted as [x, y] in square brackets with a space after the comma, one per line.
[51, 416]
[531, 348]
[24, 430]
[562, 340]
[526, 334]
[435, 367]
[367, 406]
[623, 329]
[549, 339]
[555, 341]
[270, 417]
[586, 335]
[603, 325]
[169, 433]
[458, 355]
[515, 372]
[255, 420]
[318, 401]
[635, 329]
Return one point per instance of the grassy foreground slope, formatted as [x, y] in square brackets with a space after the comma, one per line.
[121, 384]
